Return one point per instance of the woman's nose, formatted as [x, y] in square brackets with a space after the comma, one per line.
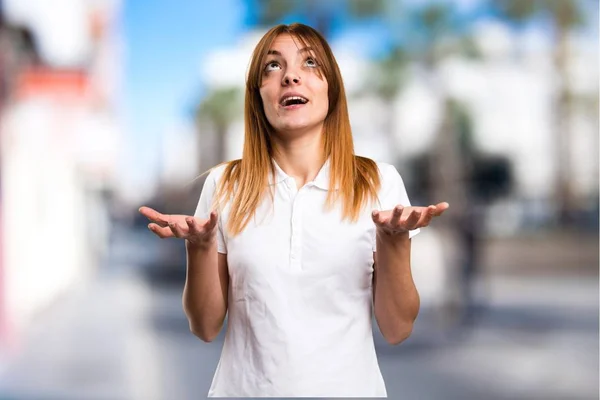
[291, 77]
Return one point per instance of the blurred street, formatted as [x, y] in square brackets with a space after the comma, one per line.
[122, 337]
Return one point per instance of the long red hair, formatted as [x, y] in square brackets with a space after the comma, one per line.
[245, 182]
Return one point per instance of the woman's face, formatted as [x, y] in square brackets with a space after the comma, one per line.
[294, 95]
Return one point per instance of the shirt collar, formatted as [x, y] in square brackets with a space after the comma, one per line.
[321, 180]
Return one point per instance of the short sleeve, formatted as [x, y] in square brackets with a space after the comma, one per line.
[205, 206]
[392, 193]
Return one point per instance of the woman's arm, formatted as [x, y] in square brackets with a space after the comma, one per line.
[395, 296]
[206, 290]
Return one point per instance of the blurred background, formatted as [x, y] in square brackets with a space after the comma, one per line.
[107, 105]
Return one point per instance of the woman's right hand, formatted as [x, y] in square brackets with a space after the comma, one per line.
[196, 231]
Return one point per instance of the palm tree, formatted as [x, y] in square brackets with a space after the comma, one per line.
[445, 171]
[437, 37]
[564, 16]
[217, 110]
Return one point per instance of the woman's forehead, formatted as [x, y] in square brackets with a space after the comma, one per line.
[285, 39]
[286, 42]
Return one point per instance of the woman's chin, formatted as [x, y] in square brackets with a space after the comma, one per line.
[297, 128]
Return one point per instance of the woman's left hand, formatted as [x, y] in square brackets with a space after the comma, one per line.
[403, 219]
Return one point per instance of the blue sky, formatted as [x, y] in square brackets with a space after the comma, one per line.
[164, 49]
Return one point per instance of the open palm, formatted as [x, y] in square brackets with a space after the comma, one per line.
[403, 219]
[195, 230]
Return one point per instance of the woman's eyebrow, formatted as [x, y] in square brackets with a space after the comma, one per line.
[277, 53]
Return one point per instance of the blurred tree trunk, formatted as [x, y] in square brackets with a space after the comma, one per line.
[565, 196]
[448, 164]
[220, 151]
[565, 15]
[218, 109]
[450, 157]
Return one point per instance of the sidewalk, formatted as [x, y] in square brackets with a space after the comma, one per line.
[555, 252]
[91, 344]
[114, 339]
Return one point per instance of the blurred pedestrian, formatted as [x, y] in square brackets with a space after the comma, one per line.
[284, 240]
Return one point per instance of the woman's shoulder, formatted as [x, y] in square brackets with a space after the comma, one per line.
[216, 173]
[384, 169]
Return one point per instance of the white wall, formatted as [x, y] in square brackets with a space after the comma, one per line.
[44, 238]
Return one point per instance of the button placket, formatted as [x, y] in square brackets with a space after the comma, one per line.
[296, 239]
[290, 184]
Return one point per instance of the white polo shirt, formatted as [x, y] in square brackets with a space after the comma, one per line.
[300, 294]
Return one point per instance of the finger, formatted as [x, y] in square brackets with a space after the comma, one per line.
[412, 219]
[208, 225]
[376, 217]
[440, 208]
[212, 220]
[154, 216]
[193, 226]
[381, 218]
[161, 232]
[427, 216]
[396, 216]
[177, 231]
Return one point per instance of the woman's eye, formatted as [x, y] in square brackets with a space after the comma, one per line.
[272, 66]
[311, 62]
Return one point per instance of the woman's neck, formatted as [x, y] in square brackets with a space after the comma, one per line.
[301, 158]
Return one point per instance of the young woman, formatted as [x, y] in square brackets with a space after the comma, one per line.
[288, 240]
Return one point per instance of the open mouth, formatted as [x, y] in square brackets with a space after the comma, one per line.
[292, 101]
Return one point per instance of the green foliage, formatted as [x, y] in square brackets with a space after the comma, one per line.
[271, 12]
[565, 14]
[367, 8]
[221, 106]
[390, 74]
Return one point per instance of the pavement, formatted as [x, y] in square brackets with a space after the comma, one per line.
[119, 337]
